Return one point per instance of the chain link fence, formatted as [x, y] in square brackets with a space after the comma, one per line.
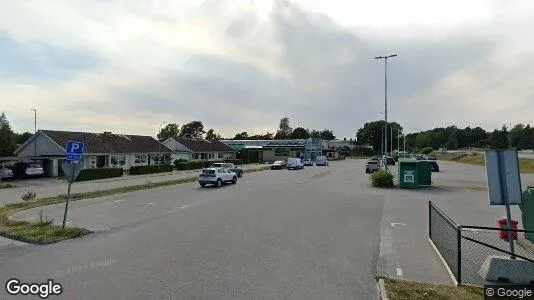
[467, 250]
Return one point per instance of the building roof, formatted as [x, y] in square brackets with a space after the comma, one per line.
[108, 142]
[204, 145]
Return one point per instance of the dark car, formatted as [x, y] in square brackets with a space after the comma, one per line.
[24, 170]
[391, 160]
[434, 167]
[229, 166]
[279, 165]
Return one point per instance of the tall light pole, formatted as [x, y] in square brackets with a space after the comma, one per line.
[159, 143]
[34, 132]
[385, 58]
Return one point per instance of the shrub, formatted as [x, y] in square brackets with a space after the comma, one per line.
[140, 170]
[29, 195]
[382, 178]
[427, 150]
[98, 173]
[6, 185]
[190, 165]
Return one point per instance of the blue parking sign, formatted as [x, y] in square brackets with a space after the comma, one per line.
[74, 151]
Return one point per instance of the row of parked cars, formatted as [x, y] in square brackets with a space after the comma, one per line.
[375, 162]
[219, 174]
[21, 170]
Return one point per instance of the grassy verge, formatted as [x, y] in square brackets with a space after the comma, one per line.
[45, 231]
[6, 185]
[525, 165]
[400, 289]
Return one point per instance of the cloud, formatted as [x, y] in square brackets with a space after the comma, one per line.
[242, 65]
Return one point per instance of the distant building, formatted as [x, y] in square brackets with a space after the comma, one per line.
[271, 150]
[193, 149]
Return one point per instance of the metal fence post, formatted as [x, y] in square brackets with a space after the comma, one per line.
[459, 256]
[430, 219]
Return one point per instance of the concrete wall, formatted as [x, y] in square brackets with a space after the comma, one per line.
[45, 147]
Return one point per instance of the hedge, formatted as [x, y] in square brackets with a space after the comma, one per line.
[194, 165]
[234, 161]
[99, 173]
[140, 170]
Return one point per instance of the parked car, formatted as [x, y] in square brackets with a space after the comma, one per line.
[6, 173]
[431, 157]
[278, 165]
[216, 176]
[371, 166]
[390, 160]
[229, 166]
[434, 167]
[23, 170]
[321, 161]
[294, 164]
[375, 157]
[307, 162]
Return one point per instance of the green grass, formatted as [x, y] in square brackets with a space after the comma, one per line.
[525, 165]
[400, 289]
[47, 232]
[6, 185]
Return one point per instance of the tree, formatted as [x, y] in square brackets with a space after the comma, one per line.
[300, 133]
[8, 139]
[499, 139]
[192, 130]
[372, 133]
[211, 135]
[284, 131]
[21, 138]
[315, 134]
[171, 130]
[526, 140]
[328, 135]
[241, 136]
[452, 141]
[515, 135]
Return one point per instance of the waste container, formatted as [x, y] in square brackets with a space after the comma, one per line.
[503, 234]
[424, 173]
[408, 173]
[527, 212]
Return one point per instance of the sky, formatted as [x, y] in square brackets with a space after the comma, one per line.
[126, 66]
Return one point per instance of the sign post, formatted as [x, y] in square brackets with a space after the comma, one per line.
[504, 183]
[74, 155]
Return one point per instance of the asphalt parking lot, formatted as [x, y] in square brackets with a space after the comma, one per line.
[321, 232]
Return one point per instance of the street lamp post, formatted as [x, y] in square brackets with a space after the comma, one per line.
[159, 143]
[34, 133]
[385, 58]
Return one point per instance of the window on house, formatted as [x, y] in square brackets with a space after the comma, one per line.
[221, 155]
[195, 155]
[115, 160]
[211, 156]
[140, 158]
[203, 155]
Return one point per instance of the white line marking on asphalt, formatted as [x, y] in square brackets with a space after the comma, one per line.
[394, 224]
[299, 182]
[30, 218]
[117, 201]
[399, 272]
[149, 203]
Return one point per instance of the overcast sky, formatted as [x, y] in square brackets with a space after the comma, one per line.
[128, 65]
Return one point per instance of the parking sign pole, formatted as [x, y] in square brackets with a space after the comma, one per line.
[68, 196]
[506, 204]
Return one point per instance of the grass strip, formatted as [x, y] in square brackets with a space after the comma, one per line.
[6, 185]
[45, 232]
[401, 289]
[525, 165]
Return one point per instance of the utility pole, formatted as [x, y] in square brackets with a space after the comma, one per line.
[159, 143]
[385, 58]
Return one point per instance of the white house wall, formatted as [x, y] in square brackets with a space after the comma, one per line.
[45, 147]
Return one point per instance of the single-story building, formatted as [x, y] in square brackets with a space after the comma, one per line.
[195, 150]
[272, 150]
[102, 150]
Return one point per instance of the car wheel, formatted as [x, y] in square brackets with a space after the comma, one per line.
[240, 174]
[219, 182]
[202, 184]
[234, 180]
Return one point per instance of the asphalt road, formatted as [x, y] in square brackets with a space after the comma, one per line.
[308, 234]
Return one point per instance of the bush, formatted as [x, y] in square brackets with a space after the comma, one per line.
[28, 196]
[382, 178]
[6, 185]
[427, 150]
[234, 161]
[98, 173]
[140, 170]
[190, 165]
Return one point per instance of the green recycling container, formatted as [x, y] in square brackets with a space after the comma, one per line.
[408, 173]
[527, 212]
[424, 174]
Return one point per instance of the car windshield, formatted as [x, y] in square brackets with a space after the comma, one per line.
[208, 171]
[34, 166]
[217, 165]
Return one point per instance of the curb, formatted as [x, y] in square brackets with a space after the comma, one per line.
[451, 275]
[21, 239]
[382, 293]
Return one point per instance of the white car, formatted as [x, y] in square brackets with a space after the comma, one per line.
[6, 173]
[321, 161]
[34, 170]
[216, 176]
[294, 163]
